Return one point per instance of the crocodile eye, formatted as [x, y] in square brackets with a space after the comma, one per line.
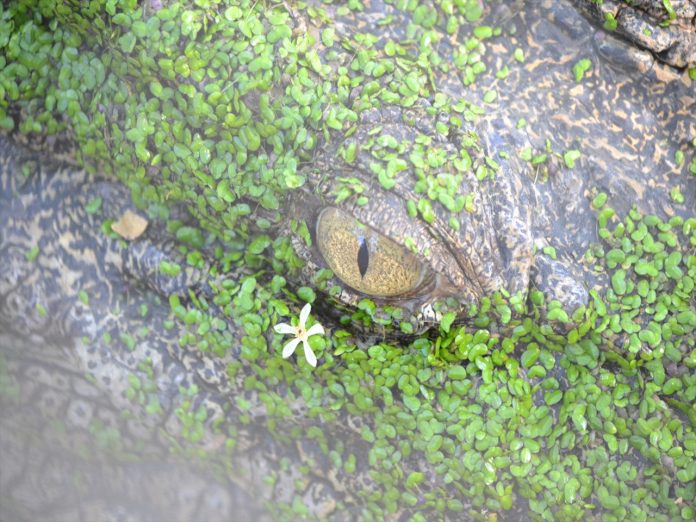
[364, 259]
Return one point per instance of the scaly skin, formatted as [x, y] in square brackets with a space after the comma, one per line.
[627, 128]
[670, 36]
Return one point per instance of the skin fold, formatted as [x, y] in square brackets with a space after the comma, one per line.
[669, 34]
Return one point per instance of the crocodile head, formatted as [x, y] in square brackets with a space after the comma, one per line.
[486, 187]
[426, 234]
[426, 194]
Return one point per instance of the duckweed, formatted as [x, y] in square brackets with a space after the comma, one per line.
[580, 68]
[476, 418]
[32, 253]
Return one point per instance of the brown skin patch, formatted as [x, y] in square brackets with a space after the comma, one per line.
[130, 225]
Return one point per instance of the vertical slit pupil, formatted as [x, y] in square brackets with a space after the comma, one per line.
[363, 256]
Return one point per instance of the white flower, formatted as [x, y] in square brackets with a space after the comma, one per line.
[301, 334]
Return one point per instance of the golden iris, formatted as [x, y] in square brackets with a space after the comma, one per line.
[364, 259]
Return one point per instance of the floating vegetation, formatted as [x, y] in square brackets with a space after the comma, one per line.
[515, 406]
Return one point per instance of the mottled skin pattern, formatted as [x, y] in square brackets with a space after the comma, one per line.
[627, 127]
[647, 24]
[41, 380]
[74, 255]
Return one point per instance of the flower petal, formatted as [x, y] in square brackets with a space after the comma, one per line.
[309, 354]
[304, 314]
[289, 348]
[284, 328]
[315, 330]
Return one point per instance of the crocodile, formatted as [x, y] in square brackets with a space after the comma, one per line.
[154, 360]
[667, 29]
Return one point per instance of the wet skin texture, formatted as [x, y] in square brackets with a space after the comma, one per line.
[627, 126]
[647, 24]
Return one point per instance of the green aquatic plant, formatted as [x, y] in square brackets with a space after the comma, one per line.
[562, 414]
